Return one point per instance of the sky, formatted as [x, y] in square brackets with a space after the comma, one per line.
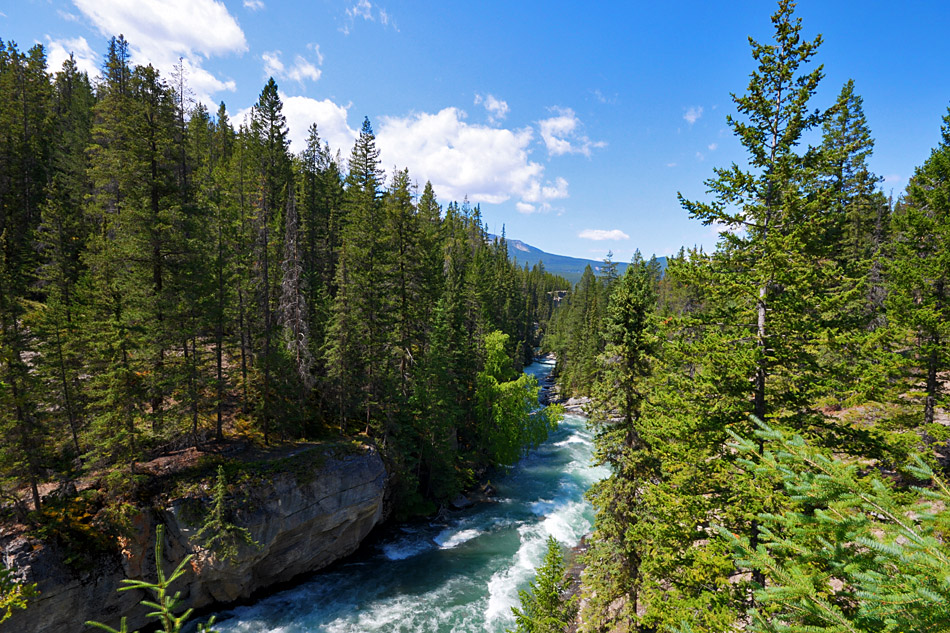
[572, 124]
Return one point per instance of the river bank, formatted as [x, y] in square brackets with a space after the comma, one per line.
[307, 513]
[459, 571]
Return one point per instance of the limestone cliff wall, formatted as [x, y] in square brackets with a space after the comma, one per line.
[302, 522]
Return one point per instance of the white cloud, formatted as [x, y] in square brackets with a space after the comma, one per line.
[671, 164]
[301, 70]
[161, 28]
[162, 31]
[600, 235]
[57, 52]
[363, 9]
[713, 147]
[331, 120]
[200, 84]
[301, 113]
[254, 5]
[560, 134]
[486, 164]
[66, 15]
[316, 51]
[497, 109]
[524, 207]
[693, 114]
[700, 157]
[892, 178]
[717, 228]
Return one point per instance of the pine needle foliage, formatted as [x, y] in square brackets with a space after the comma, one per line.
[545, 607]
[855, 553]
[217, 533]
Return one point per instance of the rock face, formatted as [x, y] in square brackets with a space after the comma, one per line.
[302, 522]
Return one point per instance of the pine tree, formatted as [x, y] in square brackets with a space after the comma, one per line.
[632, 345]
[544, 607]
[851, 235]
[269, 132]
[61, 241]
[24, 136]
[919, 273]
[766, 206]
[357, 352]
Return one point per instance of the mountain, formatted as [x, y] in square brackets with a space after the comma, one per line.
[571, 268]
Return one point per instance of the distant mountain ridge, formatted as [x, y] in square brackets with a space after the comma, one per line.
[571, 268]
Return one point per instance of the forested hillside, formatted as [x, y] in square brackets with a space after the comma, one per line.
[171, 277]
[772, 410]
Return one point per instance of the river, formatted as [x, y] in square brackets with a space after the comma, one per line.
[458, 574]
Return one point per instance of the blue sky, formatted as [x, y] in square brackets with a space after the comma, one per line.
[573, 124]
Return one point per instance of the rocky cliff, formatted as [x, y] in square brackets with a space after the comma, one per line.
[301, 521]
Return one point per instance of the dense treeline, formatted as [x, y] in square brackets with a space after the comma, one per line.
[169, 277]
[823, 313]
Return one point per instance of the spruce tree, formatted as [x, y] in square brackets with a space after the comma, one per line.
[622, 387]
[272, 176]
[358, 346]
[61, 241]
[544, 606]
[919, 274]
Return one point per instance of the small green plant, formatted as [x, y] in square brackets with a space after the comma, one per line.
[13, 593]
[164, 604]
[217, 533]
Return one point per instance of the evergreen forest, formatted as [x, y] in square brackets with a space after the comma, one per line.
[773, 412]
[171, 278]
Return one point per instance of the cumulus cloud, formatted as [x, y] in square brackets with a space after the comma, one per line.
[58, 51]
[487, 164]
[693, 114]
[713, 147]
[331, 120]
[497, 109]
[254, 5]
[600, 235]
[302, 112]
[561, 136]
[301, 70]
[162, 31]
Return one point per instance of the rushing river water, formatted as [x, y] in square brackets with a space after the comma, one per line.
[459, 574]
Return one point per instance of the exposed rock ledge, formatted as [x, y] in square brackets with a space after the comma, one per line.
[302, 526]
